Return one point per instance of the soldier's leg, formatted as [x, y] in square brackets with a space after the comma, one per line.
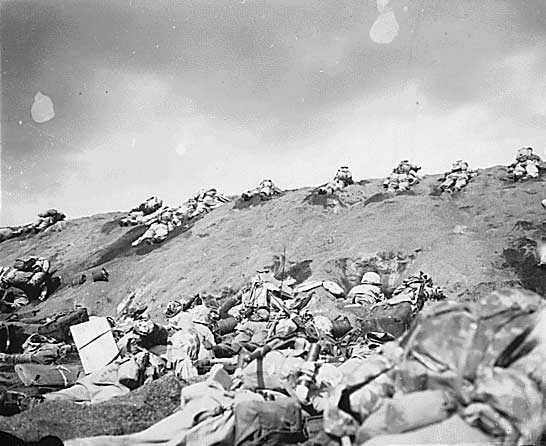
[403, 185]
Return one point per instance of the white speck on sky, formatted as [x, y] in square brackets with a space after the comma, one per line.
[385, 28]
[181, 149]
[42, 109]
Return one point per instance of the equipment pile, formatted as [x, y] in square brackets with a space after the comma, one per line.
[462, 372]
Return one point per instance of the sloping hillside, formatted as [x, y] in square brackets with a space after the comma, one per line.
[470, 243]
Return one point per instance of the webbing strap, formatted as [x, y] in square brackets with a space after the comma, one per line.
[260, 372]
[61, 370]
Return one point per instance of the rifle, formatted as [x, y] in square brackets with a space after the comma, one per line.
[271, 345]
[310, 331]
[283, 265]
[204, 365]
[273, 326]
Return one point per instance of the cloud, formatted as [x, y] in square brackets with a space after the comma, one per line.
[258, 87]
[523, 95]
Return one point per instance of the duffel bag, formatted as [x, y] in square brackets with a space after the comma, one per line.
[268, 423]
[386, 318]
[59, 328]
[48, 375]
[406, 412]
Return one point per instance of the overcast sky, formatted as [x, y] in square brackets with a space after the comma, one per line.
[155, 97]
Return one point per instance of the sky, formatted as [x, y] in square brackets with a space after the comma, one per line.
[105, 103]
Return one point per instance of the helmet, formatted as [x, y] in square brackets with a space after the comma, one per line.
[524, 151]
[340, 327]
[402, 167]
[371, 278]
[262, 314]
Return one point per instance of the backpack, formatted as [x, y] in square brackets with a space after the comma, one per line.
[441, 331]
[387, 318]
[268, 423]
[406, 412]
[59, 328]
[274, 371]
[478, 351]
